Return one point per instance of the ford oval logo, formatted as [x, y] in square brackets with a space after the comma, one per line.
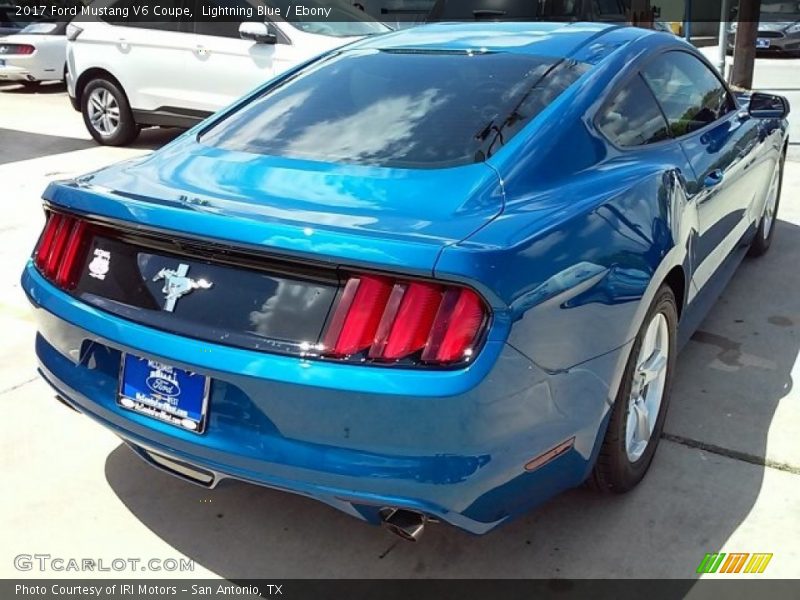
[163, 386]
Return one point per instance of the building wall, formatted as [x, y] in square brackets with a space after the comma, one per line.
[705, 14]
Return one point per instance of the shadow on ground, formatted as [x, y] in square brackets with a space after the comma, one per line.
[45, 88]
[153, 138]
[22, 145]
[690, 503]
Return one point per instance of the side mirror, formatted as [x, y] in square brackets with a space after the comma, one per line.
[260, 33]
[768, 106]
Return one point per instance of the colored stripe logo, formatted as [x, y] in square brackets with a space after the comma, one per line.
[734, 562]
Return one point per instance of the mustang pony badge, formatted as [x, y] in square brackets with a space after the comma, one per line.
[177, 284]
[100, 264]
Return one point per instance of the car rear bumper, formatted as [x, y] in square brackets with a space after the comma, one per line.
[450, 444]
[16, 73]
[27, 68]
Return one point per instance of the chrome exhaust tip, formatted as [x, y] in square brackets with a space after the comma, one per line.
[405, 524]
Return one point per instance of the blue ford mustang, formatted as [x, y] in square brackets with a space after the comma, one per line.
[441, 274]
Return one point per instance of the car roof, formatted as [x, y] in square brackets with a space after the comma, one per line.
[559, 40]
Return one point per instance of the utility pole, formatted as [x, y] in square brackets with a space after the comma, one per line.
[724, 17]
[687, 21]
[744, 52]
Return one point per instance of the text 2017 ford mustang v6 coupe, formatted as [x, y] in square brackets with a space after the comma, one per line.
[442, 273]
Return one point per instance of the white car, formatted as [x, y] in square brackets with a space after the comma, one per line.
[37, 53]
[123, 75]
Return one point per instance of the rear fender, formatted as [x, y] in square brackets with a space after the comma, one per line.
[578, 265]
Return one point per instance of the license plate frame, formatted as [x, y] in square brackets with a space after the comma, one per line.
[164, 393]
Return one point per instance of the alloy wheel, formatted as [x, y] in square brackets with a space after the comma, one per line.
[103, 111]
[647, 389]
[772, 202]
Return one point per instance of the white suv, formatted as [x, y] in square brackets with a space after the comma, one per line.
[124, 73]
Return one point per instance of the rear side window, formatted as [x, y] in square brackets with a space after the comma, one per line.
[399, 108]
[691, 95]
[633, 118]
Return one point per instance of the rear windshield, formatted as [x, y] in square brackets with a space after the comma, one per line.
[407, 108]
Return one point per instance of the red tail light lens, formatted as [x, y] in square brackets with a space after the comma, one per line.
[357, 316]
[405, 331]
[61, 249]
[47, 240]
[21, 49]
[397, 319]
[66, 276]
[457, 323]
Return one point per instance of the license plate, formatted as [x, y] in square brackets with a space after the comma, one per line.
[166, 393]
[763, 43]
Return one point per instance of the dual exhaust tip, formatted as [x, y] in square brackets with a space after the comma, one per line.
[405, 524]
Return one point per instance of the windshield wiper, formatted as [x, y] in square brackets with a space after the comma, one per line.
[513, 115]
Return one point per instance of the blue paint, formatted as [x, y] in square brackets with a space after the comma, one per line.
[566, 237]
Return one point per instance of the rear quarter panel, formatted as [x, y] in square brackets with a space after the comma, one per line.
[577, 264]
[588, 232]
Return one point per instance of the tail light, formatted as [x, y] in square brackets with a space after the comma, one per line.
[20, 49]
[391, 319]
[61, 249]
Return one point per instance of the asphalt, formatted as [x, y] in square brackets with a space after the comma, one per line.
[726, 476]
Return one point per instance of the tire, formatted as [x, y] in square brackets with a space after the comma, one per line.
[766, 227]
[107, 114]
[624, 459]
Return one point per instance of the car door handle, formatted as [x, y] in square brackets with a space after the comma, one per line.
[714, 178]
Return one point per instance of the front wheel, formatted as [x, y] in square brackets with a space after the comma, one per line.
[640, 408]
[766, 227]
[107, 114]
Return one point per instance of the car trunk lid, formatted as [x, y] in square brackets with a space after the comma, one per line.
[266, 244]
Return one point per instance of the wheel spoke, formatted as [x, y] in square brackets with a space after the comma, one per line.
[643, 429]
[653, 367]
[649, 342]
[630, 429]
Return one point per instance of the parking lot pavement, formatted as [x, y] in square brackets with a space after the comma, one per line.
[727, 478]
